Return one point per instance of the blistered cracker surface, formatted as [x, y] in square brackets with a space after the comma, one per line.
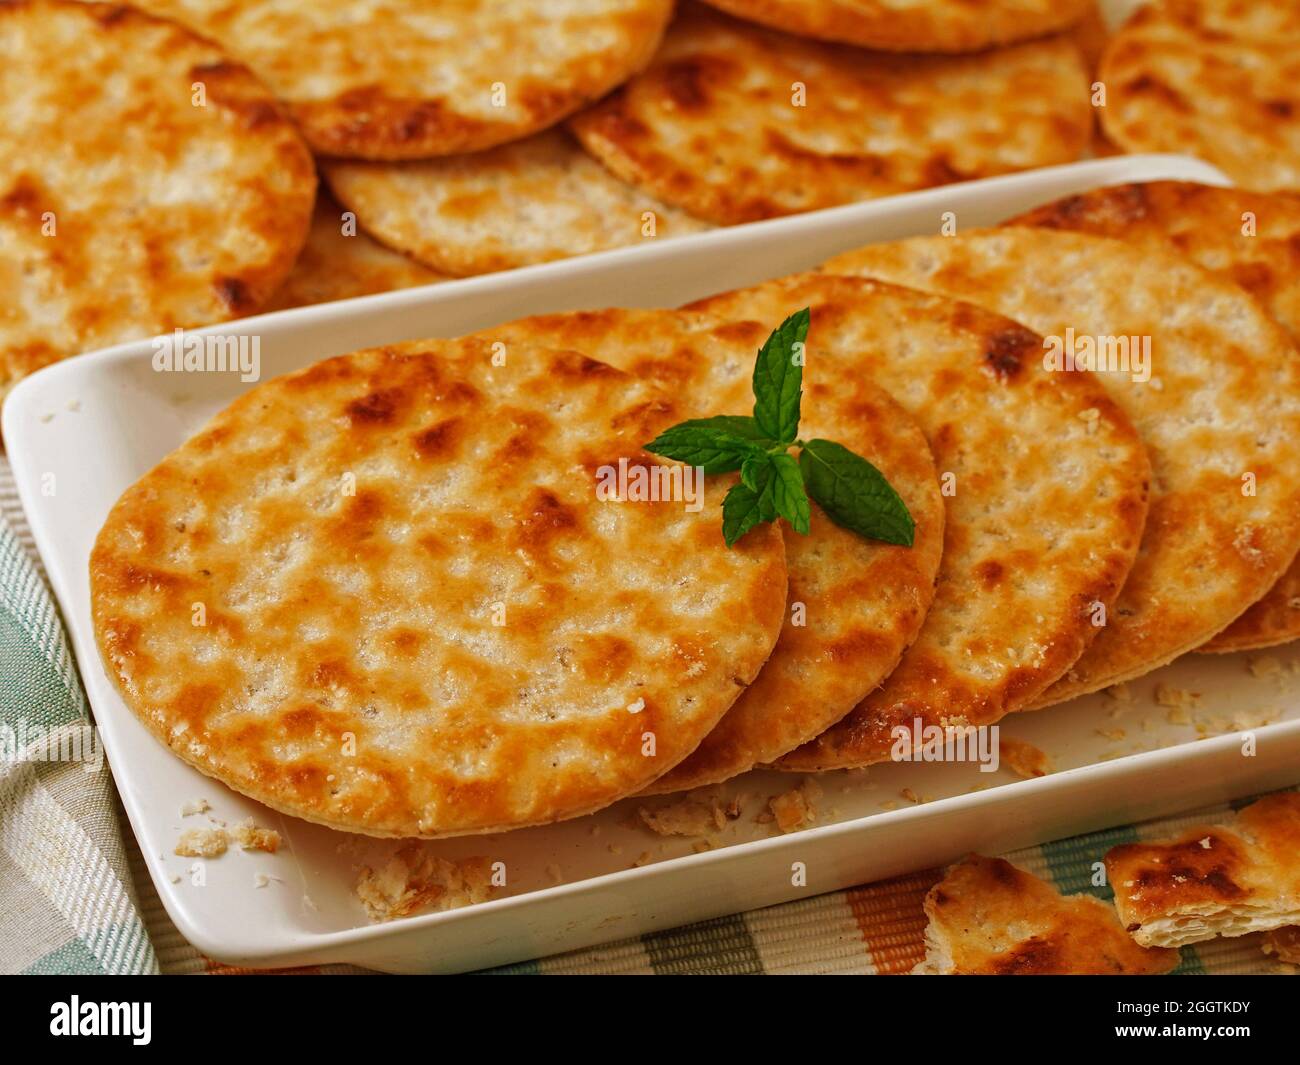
[1209, 225]
[1044, 517]
[126, 210]
[527, 202]
[1227, 404]
[1217, 79]
[712, 124]
[989, 918]
[407, 79]
[912, 25]
[355, 531]
[862, 601]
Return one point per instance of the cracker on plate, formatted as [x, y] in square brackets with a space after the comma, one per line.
[1209, 379]
[1015, 598]
[854, 604]
[1252, 238]
[383, 593]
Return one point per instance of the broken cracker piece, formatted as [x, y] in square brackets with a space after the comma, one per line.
[1023, 759]
[796, 809]
[695, 814]
[1213, 881]
[1284, 944]
[988, 917]
[1167, 695]
[252, 838]
[195, 806]
[413, 880]
[202, 843]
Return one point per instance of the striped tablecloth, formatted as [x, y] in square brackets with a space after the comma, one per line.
[77, 897]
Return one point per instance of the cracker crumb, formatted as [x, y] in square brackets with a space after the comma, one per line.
[252, 838]
[555, 873]
[796, 809]
[413, 880]
[260, 880]
[1178, 716]
[644, 859]
[1113, 734]
[1167, 695]
[1120, 692]
[701, 845]
[1023, 759]
[175, 879]
[1265, 666]
[1245, 720]
[695, 814]
[195, 806]
[202, 843]
[910, 796]
[889, 804]
[764, 817]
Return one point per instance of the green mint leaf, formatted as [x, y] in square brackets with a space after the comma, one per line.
[788, 493]
[778, 379]
[753, 469]
[747, 505]
[718, 444]
[855, 494]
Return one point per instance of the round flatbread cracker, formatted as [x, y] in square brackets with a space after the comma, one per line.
[1220, 416]
[408, 79]
[912, 25]
[1218, 79]
[532, 201]
[1045, 483]
[125, 210]
[339, 261]
[1253, 238]
[733, 122]
[854, 604]
[383, 595]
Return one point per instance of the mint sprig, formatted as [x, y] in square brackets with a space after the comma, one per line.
[851, 491]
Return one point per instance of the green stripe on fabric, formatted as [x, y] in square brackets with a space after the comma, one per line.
[712, 948]
[41, 684]
[71, 959]
[33, 693]
[1070, 861]
[1190, 963]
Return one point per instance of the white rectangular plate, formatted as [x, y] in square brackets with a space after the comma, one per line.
[98, 422]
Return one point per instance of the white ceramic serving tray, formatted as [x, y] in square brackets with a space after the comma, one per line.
[96, 423]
